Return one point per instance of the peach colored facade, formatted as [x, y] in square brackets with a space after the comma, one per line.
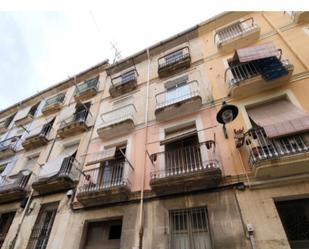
[121, 154]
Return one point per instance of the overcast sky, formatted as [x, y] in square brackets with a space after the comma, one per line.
[41, 48]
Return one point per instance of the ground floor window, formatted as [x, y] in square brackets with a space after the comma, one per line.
[294, 215]
[103, 235]
[5, 223]
[42, 227]
[189, 229]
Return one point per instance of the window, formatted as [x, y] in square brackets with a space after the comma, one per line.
[2, 167]
[7, 122]
[111, 173]
[47, 127]
[81, 111]
[34, 109]
[173, 57]
[5, 223]
[128, 76]
[177, 88]
[103, 234]
[43, 226]
[189, 229]
[294, 216]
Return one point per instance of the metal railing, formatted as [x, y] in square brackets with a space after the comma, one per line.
[10, 143]
[234, 30]
[54, 100]
[118, 115]
[110, 175]
[87, 85]
[174, 57]
[41, 131]
[70, 167]
[260, 147]
[125, 78]
[77, 117]
[184, 161]
[19, 182]
[247, 70]
[177, 94]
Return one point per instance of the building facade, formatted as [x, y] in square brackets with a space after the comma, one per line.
[134, 154]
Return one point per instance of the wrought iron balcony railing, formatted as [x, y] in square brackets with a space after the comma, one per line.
[247, 70]
[104, 178]
[260, 147]
[184, 161]
[54, 100]
[177, 94]
[173, 58]
[118, 115]
[10, 143]
[87, 85]
[18, 183]
[125, 78]
[78, 117]
[234, 31]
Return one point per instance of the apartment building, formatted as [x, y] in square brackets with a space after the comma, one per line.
[197, 142]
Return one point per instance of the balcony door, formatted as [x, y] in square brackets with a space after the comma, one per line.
[183, 156]
[111, 172]
[81, 112]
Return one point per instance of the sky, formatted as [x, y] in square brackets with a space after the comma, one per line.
[44, 42]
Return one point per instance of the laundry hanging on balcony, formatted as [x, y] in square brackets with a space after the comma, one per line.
[280, 118]
[265, 58]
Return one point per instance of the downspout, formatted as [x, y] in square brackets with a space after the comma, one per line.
[141, 214]
[297, 55]
[12, 245]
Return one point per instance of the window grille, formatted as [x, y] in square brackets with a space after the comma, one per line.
[5, 223]
[189, 229]
[42, 228]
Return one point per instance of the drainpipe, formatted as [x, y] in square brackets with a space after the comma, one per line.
[297, 55]
[141, 214]
[12, 244]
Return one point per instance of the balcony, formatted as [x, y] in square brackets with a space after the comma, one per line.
[77, 123]
[53, 104]
[187, 168]
[104, 185]
[248, 78]
[25, 120]
[178, 101]
[124, 83]
[174, 62]
[117, 122]
[14, 188]
[66, 178]
[276, 157]
[37, 139]
[8, 147]
[86, 90]
[300, 17]
[237, 35]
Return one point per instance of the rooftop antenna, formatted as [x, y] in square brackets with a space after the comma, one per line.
[117, 54]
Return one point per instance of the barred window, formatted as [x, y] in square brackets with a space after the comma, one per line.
[294, 216]
[189, 229]
[5, 223]
[43, 225]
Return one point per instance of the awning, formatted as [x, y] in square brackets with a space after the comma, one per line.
[52, 167]
[280, 118]
[22, 113]
[67, 112]
[179, 134]
[265, 50]
[101, 156]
